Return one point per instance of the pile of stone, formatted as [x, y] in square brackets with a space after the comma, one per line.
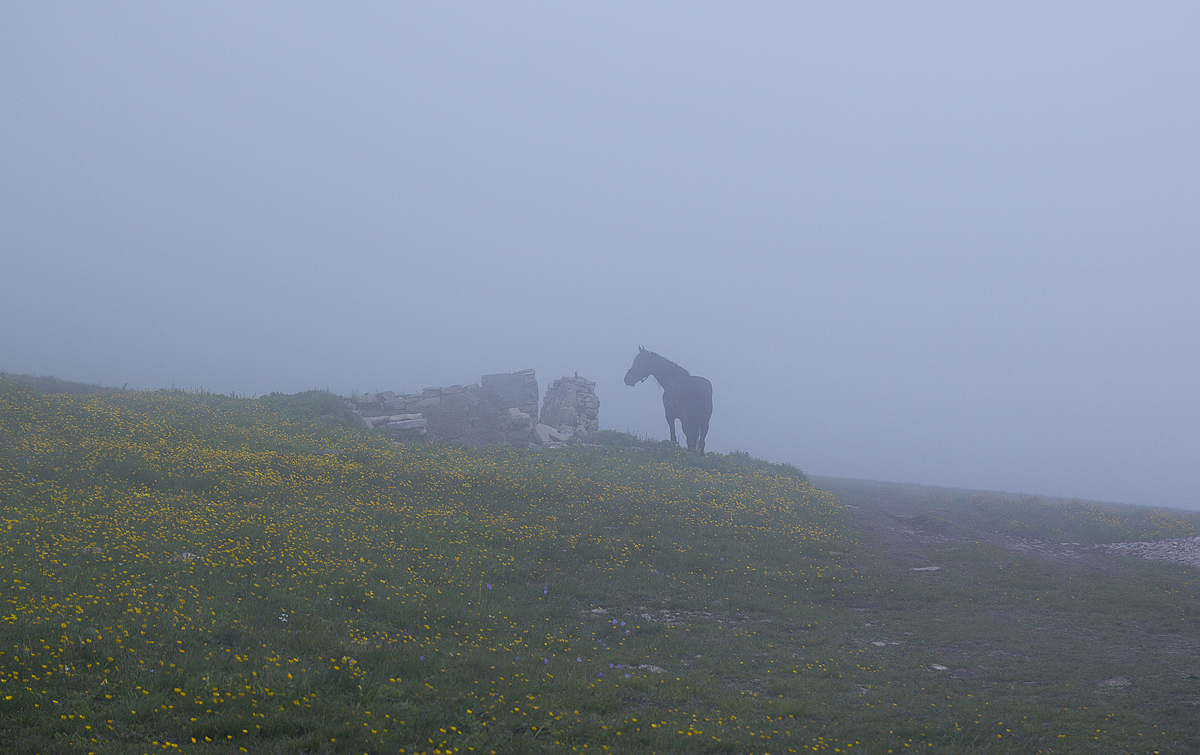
[500, 408]
[570, 411]
[1180, 550]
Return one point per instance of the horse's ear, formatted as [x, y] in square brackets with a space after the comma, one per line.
[642, 349]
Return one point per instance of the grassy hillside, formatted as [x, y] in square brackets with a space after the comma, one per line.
[1057, 520]
[48, 384]
[183, 567]
[204, 574]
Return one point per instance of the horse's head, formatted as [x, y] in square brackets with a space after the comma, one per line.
[640, 369]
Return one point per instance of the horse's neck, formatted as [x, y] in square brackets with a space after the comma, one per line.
[667, 372]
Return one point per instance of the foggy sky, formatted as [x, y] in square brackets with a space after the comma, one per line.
[954, 243]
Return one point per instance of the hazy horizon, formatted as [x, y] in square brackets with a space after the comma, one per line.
[948, 245]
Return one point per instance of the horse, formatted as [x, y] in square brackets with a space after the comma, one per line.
[686, 397]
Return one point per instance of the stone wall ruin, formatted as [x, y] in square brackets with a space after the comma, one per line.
[571, 409]
[500, 408]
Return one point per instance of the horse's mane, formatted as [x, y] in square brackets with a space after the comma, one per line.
[667, 367]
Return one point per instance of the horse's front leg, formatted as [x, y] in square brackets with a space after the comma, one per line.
[671, 424]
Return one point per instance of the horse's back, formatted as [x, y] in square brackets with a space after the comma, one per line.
[697, 394]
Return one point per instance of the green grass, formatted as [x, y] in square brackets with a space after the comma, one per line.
[208, 574]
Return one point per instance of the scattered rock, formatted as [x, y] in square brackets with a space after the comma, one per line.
[1179, 550]
[408, 424]
[547, 434]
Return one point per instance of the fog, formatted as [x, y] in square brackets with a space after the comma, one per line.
[955, 244]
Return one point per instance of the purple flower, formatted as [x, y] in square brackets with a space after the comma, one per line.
[545, 661]
[578, 659]
[489, 584]
[627, 676]
[545, 591]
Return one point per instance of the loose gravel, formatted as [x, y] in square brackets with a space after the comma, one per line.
[1180, 550]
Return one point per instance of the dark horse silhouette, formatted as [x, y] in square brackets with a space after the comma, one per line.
[686, 397]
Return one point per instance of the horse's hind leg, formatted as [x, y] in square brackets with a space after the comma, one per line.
[692, 430]
[703, 433]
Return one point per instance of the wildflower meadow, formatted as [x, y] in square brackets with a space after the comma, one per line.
[182, 571]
